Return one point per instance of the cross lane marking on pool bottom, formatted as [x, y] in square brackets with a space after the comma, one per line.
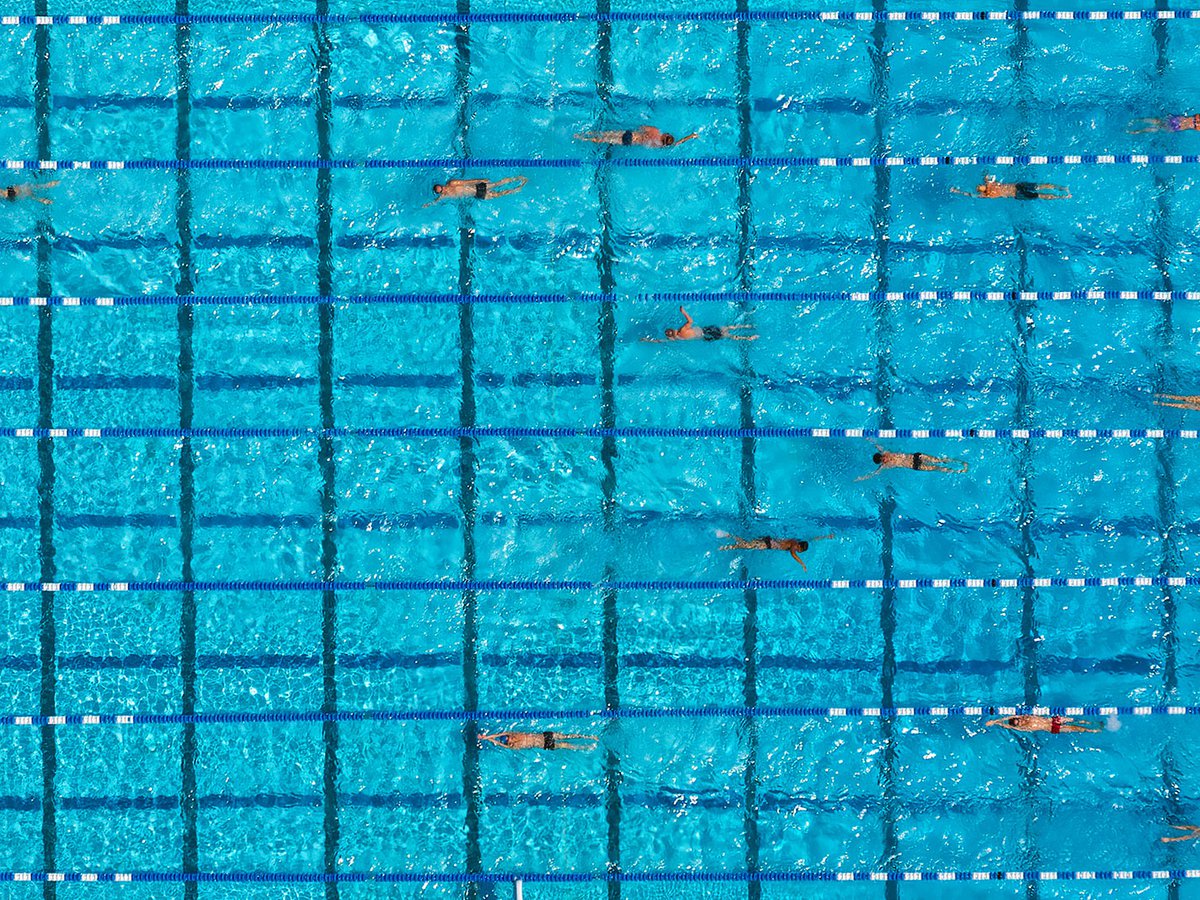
[565, 715]
[824, 584]
[590, 297]
[758, 15]
[627, 877]
[594, 431]
[621, 162]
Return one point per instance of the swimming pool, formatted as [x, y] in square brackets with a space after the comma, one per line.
[579, 569]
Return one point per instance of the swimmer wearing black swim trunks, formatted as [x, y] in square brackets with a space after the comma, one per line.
[918, 462]
[791, 545]
[645, 136]
[991, 189]
[477, 188]
[690, 332]
[539, 740]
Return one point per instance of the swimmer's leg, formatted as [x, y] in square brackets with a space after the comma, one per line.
[1150, 124]
[520, 180]
[1177, 401]
[742, 337]
[948, 464]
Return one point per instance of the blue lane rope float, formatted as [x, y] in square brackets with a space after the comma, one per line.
[568, 586]
[672, 297]
[496, 18]
[596, 431]
[620, 162]
[627, 877]
[568, 715]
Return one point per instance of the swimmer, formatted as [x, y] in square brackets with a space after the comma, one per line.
[791, 545]
[16, 192]
[1193, 833]
[539, 740]
[918, 462]
[991, 189]
[646, 136]
[1052, 724]
[689, 332]
[1178, 401]
[1153, 125]
[476, 188]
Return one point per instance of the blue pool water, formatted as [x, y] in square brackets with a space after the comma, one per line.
[787, 794]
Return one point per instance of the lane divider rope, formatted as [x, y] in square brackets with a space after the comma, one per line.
[492, 18]
[566, 586]
[565, 715]
[633, 431]
[416, 299]
[821, 875]
[619, 162]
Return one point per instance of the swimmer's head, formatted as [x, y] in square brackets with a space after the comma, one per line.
[668, 140]
[877, 459]
[437, 189]
[803, 546]
[672, 333]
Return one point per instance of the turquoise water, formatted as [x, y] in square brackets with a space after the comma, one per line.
[828, 793]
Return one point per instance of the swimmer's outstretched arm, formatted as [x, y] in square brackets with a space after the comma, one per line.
[869, 475]
[495, 739]
[1193, 833]
[520, 180]
[1003, 723]
[682, 140]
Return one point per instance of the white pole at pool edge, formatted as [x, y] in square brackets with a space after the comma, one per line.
[517, 893]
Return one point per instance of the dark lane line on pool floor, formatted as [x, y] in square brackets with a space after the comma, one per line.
[748, 495]
[48, 629]
[883, 338]
[326, 454]
[607, 337]
[1167, 378]
[184, 320]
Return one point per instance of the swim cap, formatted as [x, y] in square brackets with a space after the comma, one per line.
[877, 458]
[803, 546]
[437, 188]
[668, 140]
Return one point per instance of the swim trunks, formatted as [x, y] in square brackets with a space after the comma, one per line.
[1027, 190]
[1055, 724]
[627, 138]
[917, 461]
[481, 189]
[548, 740]
[712, 332]
[1175, 123]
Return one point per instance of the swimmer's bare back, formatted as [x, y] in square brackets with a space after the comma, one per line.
[645, 136]
[476, 188]
[15, 192]
[688, 331]
[991, 189]
[539, 740]
[918, 462]
[1052, 724]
